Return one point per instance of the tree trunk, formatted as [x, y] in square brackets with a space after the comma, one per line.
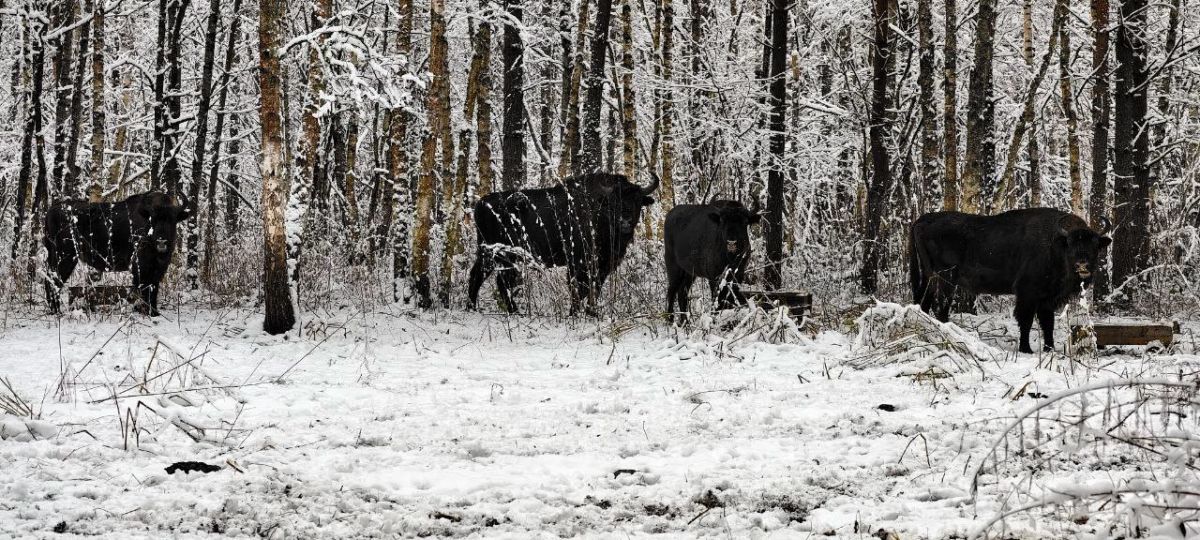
[398, 205]
[981, 113]
[1004, 196]
[308, 157]
[590, 159]
[1034, 180]
[1101, 112]
[98, 181]
[950, 187]
[548, 97]
[1131, 169]
[202, 108]
[277, 292]
[173, 96]
[880, 133]
[929, 113]
[82, 47]
[1165, 167]
[667, 145]
[455, 199]
[32, 144]
[439, 123]
[1067, 93]
[570, 150]
[483, 111]
[775, 176]
[210, 229]
[513, 143]
[629, 144]
[63, 17]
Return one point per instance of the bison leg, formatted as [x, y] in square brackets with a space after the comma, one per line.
[675, 279]
[685, 289]
[1024, 312]
[483, 267]
[1045, 315]
[508, 282]
[146, 283]
[62, 263]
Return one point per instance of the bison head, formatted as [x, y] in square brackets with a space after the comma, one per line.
[1081, 249]
[733, 221]
[624, 199]
[161, 213]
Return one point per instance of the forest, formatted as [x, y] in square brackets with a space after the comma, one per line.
[334, 184]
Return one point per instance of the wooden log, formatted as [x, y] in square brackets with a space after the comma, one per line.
[797, 302]
[1127, 332]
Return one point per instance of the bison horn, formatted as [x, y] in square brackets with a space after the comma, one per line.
[654, 182]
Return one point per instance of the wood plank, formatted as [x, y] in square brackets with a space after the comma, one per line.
[1128, 333]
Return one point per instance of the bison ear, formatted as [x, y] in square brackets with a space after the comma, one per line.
[182, 213]
[647, 201]
[716, 217]
[754, 218]
[1105, 241]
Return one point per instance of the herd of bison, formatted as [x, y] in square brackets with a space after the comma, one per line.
[1042, 256]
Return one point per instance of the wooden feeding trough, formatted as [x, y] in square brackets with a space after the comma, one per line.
[102, 295]
[1127, 333]
[796, 302]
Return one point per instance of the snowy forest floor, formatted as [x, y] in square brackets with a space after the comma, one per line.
[400, 424]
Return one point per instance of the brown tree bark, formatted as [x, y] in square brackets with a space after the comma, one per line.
[591, 158]
[1067, 94]
[455, 199]
[950, 187]
[439, 124]
[62, 18]
[629, 144]
[307, 158]
[398, 201]
[1005, 196]
[929, 131]
[571, 116]
[512, 145]
[981, 147]
[98, 181]
[280, 315]
[778, 111]
[202, 110]
[1131, 146]
[1101, 114]
[214, 171]
[880, 135]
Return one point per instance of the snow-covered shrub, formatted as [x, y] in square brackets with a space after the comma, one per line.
[892, 333]
[1135, 445]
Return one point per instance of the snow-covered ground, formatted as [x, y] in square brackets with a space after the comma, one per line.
[395, 424]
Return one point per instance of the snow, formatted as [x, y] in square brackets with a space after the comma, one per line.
[401, 424]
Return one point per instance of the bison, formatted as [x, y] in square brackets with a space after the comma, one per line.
[585, 224]
[709, 241]
[1041, 255]
[137, 235]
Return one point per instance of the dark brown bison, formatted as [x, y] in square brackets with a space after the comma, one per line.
[135, 235]
[1041, 255]
[710, 241]
[586, 224]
